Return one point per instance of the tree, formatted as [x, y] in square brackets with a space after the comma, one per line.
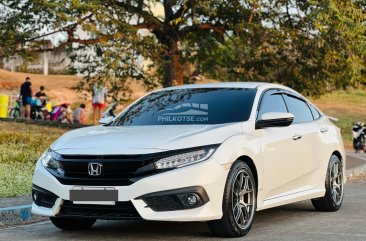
[312, 46]
[111, 21]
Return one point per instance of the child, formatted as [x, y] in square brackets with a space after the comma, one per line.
[79, 115]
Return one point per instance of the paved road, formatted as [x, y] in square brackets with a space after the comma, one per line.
[355, 160]
[292, 222]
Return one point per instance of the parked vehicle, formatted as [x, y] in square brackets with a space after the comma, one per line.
[213, 152]
[15, 110]
[358, 136]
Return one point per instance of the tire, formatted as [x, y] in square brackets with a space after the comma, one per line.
[40, 115]
[333, 198]
[33, 115]
[238, 207]
[14, 113]
[72, 223]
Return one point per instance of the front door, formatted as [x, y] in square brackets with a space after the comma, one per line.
[281, 150]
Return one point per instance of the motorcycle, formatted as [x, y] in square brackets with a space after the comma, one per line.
[39, 110]
[358, 136]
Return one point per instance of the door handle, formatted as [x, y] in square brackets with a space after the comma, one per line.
[324, 129]
[296, 137]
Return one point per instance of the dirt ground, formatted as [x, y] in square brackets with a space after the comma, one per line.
[59, 88]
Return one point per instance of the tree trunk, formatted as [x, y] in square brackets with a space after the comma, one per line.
[173, 69]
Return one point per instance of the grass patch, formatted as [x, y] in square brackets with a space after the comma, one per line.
[20, 147]
[16, 179]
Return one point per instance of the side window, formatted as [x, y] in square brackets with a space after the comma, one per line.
[299, 109]
[315, 112]
[272, 101]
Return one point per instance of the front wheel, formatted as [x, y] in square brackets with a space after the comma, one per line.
[72, 223]
[239, 203]
[14, 113]
[333, 198]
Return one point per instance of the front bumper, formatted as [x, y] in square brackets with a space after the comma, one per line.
[209, 175]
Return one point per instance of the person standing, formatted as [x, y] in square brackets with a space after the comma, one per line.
[26, 95]
[99, 96]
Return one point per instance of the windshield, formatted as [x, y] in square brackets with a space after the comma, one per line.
[190, 107]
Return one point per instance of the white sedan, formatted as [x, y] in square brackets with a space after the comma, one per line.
[212, 152]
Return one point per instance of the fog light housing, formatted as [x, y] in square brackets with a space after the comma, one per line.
[190, 200]
[34, 196]
[42, 197]
[176, 199]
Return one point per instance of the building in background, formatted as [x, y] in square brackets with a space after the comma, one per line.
[58, 61]
[47, 62]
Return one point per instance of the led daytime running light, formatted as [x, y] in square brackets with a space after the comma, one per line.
[184, 159]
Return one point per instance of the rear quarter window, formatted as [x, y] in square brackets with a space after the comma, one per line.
[315, 112]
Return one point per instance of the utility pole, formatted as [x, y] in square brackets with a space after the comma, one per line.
[45, 63]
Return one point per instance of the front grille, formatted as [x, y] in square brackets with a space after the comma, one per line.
[119, 211]
[118, 170]
[163, 203]
[46, 201]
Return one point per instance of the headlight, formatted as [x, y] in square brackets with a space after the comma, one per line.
[185, 159]
[48, 161]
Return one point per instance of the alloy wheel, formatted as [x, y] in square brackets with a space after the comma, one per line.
[243, 199]
[336, 182]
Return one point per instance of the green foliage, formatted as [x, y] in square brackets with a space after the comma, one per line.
[311, 46]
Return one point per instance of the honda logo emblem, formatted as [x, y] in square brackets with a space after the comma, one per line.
[95, 169]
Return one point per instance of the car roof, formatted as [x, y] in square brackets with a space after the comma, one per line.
[243, 85]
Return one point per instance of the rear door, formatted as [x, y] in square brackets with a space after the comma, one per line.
[310, 133]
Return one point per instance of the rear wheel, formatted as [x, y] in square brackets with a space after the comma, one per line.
[239, 203]
[72, 223]
[333, 198]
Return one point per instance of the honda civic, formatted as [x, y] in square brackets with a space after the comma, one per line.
[210, 152]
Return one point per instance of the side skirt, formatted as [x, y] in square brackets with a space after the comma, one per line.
[292, 198]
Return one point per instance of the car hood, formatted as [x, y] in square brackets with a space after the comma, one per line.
[103, 140]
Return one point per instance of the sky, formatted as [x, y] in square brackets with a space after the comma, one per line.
[157, 9]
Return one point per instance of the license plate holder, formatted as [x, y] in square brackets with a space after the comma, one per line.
[94, 194]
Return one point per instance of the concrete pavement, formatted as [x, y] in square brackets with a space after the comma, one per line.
[355, 159]
[293, 222]
[15, 201]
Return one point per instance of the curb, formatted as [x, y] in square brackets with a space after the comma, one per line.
[18, 215]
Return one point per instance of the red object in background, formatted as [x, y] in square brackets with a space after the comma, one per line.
[96, 105]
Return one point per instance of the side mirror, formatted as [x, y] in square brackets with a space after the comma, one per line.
[106, 120]
[274, 119]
